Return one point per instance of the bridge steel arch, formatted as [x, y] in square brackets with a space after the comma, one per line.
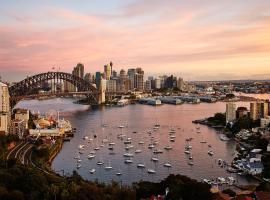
[26, 86]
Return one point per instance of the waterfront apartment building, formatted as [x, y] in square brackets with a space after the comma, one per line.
[136, 77]
[258, 110]
[147, 85]
[230, 112]
[4, 108]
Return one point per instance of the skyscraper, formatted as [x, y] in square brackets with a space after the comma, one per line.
[78, 70]
[98, 79]
[258, 110]
[230, 112]
[107, 72]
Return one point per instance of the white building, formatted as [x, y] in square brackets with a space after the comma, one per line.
[22, 114]
[157, 83]
[230, 112]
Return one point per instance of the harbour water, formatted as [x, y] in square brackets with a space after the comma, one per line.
[137, 119]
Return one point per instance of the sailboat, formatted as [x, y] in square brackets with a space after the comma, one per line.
[109, 167]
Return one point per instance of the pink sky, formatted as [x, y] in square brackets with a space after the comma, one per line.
[198, 40]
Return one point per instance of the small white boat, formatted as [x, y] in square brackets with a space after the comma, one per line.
[210, 152]
[108, 167]
[203, 142]
[111, 143]
[172, 140]
[77, 157]
[167, 165]
[140, 165]
[81, 146]
[224, 137]
[138, 151]
[79, 160]
[85, 137]
[190, 157]
[121, 126]
[154, 159]
[158, 151]
[128, 161]
[190, 163]
[118, 173]
[128, 155]
[92, 171]
[187, 152]
[141, 142]
[151, 146]
[91, 156]
[172, 136]
[96, 148]
[151, 171]
[100, 163]
[79, 166]
[168, 148]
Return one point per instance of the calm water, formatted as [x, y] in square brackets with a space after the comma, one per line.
[139, 118]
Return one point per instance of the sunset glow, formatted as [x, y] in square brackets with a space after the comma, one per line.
[199, 40]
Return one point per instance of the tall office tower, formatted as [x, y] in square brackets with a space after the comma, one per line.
[114, 74]
[123, 75]
[157, 83]
[139, 79]
[4, 108]
[147, 85]
[264, 109]
[131, 77]
[230, 112]
[79, 70]
[88, 77]
[111, 66]
[181, 84]
[98, 79]
[107, 72]
[111, 85]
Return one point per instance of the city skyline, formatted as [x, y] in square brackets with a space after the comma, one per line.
[192, 39]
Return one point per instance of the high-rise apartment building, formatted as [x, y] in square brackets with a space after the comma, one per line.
[98, 79]
[4, 108]
[230, 112]
[258, 110]
[111, 85]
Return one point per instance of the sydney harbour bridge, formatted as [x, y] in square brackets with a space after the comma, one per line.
[33, 84]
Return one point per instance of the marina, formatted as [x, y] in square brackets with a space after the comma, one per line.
[136, 143]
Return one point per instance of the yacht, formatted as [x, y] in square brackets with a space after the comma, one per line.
[168, 148]
[79, 166]
[108, 167]
[100, 163]
[121, 126]
[210, 152]
[167, 165]
[118, 173]
[140, 165]
[141, 142]
[151, 171]
[128, 155]
[187, 152]
[91, 156]
[138, 151]
[190, 163]
[128, 161]
[92, 171]
[154, 159]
